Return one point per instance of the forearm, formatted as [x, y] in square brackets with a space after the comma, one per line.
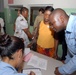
[30, 36]
[68, 68]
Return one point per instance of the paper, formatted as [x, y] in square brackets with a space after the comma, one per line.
[27, 57]
[38, 62]
[35, 70]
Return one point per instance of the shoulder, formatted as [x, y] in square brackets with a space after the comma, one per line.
[20, 18]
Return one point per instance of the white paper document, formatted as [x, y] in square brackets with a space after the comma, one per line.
[37, 62]
[35, 70]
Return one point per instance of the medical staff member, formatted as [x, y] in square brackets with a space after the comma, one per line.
[2, 25]
[61, 21]
[11, 52]
[22, 30]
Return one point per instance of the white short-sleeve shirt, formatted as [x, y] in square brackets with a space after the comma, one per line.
[21, 24]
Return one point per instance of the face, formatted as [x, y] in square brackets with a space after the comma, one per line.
[25, 13]
[56, 23]
[47, 15]
[19, 58]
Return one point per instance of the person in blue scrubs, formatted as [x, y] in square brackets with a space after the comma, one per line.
[11, 52]
[61, 21]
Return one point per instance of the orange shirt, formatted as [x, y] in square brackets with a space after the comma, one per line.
[45, 38]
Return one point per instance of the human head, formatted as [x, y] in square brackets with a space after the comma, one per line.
[12, 48]
[58, 19]
[47, 13]
[24, 12]
[41, 11]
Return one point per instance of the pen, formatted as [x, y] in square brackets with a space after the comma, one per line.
[32, 68]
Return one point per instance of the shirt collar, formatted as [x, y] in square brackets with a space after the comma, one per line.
[70, 25]
[4, 65]
[22, 16]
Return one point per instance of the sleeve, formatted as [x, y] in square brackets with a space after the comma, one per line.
[23, 24]
[68, 68]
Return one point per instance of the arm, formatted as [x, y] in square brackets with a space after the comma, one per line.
[35, 23]
[68, 68]
[70, 64]
[24, 27]
[36, 31]
[30, 36]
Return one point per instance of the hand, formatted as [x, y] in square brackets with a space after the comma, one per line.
[55, 56]
[29, 45]
[32, 73]
[20, 68]
[57, 72]
[63, 61]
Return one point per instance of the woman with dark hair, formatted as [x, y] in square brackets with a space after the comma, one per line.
[11, 52]
[45, 39]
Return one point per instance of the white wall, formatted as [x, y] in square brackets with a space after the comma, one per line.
[56, 3]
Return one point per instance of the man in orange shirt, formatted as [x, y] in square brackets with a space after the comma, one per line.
[45, 39]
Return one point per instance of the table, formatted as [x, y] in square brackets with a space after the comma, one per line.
[51, 64]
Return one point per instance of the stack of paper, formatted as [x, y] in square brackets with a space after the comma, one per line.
[37, 62]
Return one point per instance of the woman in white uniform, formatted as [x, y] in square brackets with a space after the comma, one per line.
[21, 29]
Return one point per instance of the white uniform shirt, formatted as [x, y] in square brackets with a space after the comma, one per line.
[21, 24]
[2, 25]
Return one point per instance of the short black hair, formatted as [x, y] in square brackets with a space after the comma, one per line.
[42, 10]
[9, 45]
[23, 9]
[50, 8]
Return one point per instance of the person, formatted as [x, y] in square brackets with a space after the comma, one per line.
[39, 17]
[60, 37]
[59, 20]
[22, 29]
[2, 25]
[45, 35]
[11, 52]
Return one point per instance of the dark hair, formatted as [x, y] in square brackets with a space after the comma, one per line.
[9, 45]
[23, 9]
[42, 10]
[50, 8]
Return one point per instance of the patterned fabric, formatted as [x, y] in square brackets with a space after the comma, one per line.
[48, 51]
